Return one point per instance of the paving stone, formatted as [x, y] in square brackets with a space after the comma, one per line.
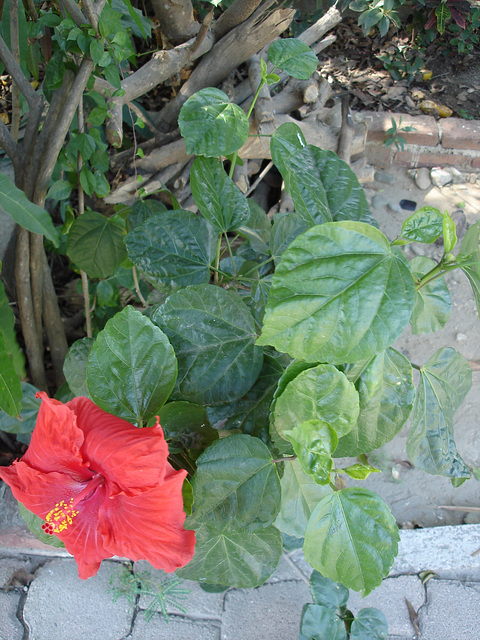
[286, 570]
[10, 627]
[159, 629]
[198, 602]
[299, 559]
[9, 566]
[59, 605]
[451, 612]
[389, 597]
[269, 612]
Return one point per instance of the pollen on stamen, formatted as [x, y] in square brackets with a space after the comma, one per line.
[60, 517]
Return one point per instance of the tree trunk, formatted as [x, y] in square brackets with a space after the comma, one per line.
[176, 19]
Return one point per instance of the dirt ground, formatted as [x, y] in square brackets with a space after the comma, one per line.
[413, 495]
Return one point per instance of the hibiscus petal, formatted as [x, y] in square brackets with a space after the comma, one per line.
[131, 459]
[56, 440]
[41, 492]
[150, 526]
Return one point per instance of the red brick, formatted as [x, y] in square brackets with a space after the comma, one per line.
[378, 155]
[426, 129]
[460, 134]
[409, 159]
[476, 163]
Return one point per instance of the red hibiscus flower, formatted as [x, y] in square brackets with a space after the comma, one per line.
[103, 487]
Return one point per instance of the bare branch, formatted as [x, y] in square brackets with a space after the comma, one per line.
[207, 21]
[13, 69]
[236, 13]
[91, 13]
[15, 45]
[7, 142]
[75, 12]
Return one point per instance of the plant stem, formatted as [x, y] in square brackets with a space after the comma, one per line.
[137, 287]
[217, 259]
[286, 459]
[231, 254]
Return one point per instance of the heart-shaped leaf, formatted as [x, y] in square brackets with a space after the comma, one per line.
[293, 56]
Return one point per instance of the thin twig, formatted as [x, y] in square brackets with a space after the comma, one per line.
[137, 287]
[458, 508]
[207, 21]
[261, 176]
[15, 47]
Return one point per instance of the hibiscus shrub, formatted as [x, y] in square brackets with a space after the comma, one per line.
[267, 355]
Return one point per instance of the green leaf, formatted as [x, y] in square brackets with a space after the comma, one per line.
[250, 413]
[24, 425]
[213, 334]
[142, 210]
[386, 390]
[60, 190]
[239, 558]
[287, 141]
[314, 314]
[10, 389]
[83, 143]
[469, 259]
[432, 301]
[236, 486]
[186, 424]
[317, 393]
[7, 328]
[360, 471]
[75, 366]
[443, 15]
[352, 538]
[444, 382]
[28, 215]
[369, 624]
[211, 125]
[449, 233]
[300, 496]
[132, 367]
[327, 593]
[321, 623]
[95, 244]
[425, 225]
[218, 198]
[324, 188]
[286, 227]
[313, 442]
[173, 249]
[293, 56]
[34, 523]
[257, 228]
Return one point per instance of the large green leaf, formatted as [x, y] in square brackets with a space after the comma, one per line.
[287, 141]
[369, 624]
[75, 366]
[286, 227]
[425, 225]
[293, 56]
[300, 496]
[28, 215]
[186, 425]
[257, 228]
[386, 390]
[7, 328]
[324, 188]
[352, 538]
[321, 623]
[213, 334]
[432, 302]
[469, 259]
[313, 442]
[236, 486]
[142, 210]
[339, 295]
[22, 427]
[444, 382]
[238, 558]
[250, 413]
[173, 249]
[10, 389]
[211, 125]
[132, 367]
[327, 592]
[95, 244]
[317, 393]
[219, 199]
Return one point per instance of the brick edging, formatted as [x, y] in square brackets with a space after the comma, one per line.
[447, 141]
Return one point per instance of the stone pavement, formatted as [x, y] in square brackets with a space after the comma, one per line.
[41, 598]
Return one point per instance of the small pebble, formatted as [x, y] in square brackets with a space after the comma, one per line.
[440, 177]
[473, 178]
[408, 205]
[385, 177]
[422, 178]
[396, 208]
[379, 201]
[461, 337]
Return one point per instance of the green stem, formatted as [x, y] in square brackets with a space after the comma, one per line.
[286, 459]
[255, 98]
[231, 254]
[416, 366]
[217, 258]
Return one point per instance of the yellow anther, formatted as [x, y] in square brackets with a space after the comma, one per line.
[60, 516]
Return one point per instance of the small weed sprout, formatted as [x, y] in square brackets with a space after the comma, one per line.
[393, 137]
[166, 591]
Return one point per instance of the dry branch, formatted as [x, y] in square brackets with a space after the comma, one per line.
[176, 19]
[237, 12]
